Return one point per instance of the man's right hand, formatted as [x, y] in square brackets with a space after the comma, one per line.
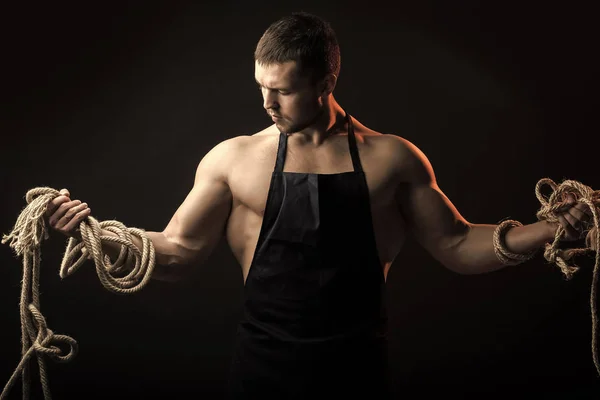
[64, 214]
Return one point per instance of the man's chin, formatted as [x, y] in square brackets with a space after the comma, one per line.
[284, 128]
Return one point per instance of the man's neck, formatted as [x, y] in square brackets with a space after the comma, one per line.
[329, 123]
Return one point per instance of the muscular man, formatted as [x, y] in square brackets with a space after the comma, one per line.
[315, 208]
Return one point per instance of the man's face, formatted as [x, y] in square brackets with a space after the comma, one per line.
[289, 95]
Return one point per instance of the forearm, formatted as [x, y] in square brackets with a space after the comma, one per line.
[164, 267]
[475, 253]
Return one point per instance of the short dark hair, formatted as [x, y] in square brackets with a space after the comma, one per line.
[302, 37]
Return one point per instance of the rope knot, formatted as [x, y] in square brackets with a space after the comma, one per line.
[46, 341]
[560, 258]
[553, 205]
[550, 208]
[26, 238]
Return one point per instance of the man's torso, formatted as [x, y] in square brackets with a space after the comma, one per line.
[249, 177]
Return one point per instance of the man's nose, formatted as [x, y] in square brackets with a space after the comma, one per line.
[269, 100]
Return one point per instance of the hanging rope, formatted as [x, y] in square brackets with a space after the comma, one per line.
[119, 277]
[30, 230]
[551, 207]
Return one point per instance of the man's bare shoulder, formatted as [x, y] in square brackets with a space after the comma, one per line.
[412, 163]
[223, 157]
[269, 131]
[230, 148]
[399, 146]
[403, 155]
[386, 143]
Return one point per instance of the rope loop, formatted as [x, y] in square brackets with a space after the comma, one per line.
[128, 274]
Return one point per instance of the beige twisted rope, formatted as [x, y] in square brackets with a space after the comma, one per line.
[548, 211]
[504, 255]
[26, 238]
[550, 208]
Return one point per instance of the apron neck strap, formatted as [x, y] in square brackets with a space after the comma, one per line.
[282, 148]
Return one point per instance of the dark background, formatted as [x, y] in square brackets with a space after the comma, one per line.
[119, 102]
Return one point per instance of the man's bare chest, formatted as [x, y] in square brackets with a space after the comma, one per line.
[250, 177]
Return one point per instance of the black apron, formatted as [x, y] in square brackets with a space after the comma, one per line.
[314, 320]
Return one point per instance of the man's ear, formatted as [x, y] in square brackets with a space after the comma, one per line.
[328, 84]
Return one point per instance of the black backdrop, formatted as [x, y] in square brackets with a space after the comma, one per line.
[119, 102]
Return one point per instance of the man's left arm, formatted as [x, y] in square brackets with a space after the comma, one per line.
[461, 246]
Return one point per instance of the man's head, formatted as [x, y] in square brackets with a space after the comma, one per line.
[297, 62]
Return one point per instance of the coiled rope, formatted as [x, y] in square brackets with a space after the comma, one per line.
[551, 207]
[119, 277]
[30, 229]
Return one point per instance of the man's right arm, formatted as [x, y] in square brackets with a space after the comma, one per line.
[195, 228]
